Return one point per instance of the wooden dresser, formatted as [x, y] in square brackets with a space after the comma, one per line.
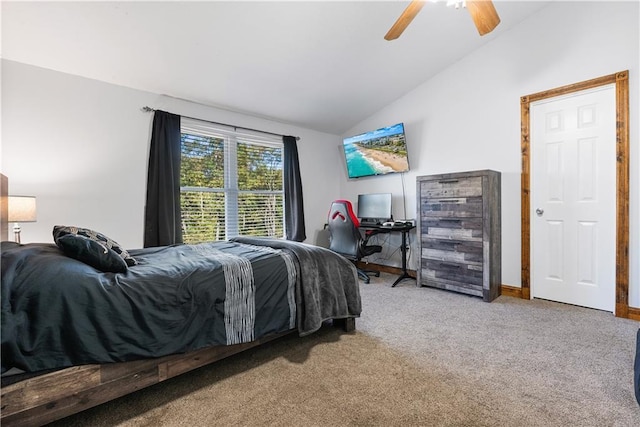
[459, 232]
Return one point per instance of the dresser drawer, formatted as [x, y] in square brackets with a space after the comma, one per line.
[440, 249]
[452, 276]
[471, 257]
[452, 228]
[458, 207]
[452, 187]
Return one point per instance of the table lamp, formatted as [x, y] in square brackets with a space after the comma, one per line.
[21, 209]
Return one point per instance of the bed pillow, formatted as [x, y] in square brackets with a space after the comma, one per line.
[91, 252]
[61, 230]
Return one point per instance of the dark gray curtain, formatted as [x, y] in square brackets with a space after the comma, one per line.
[293, 205]
[162, 223]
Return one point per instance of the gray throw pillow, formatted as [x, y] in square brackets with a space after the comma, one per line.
[61, 230]
[91, 252]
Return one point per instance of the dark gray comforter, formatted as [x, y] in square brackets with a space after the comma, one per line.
[324, 289]
[58, 312]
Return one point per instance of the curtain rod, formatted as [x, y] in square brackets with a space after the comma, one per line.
[147, 109]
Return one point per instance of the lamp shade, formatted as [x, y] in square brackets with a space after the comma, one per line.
[22, 209]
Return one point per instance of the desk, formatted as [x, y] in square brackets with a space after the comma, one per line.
[404, 229]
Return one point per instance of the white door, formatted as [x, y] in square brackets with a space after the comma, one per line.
[573, 198]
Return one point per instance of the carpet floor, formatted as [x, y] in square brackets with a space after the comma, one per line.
[419, 357]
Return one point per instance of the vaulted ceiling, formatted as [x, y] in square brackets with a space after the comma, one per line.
[319, 65]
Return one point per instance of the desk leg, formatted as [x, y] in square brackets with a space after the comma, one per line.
[403, 250]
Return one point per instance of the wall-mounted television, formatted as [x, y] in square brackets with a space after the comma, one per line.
[377, 152]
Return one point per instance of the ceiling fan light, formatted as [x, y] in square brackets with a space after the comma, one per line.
[483, 13]
[457, 3]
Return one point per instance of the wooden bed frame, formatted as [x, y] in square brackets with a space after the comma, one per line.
[49, 397]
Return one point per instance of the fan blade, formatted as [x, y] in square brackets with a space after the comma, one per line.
[484, 15]
[404, 20]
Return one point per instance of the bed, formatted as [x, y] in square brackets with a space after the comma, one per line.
[79, 336]
[636, 369]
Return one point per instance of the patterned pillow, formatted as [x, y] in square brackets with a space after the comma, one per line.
[91, 252]
[61, 230]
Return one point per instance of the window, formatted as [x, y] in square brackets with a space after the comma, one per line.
[231, 183]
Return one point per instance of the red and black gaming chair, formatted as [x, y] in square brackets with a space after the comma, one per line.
[345, 237]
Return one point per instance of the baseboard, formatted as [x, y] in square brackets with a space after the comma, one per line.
[511, 291]
[384, 268]
[634, 313]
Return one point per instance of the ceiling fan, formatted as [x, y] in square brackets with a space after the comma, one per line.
[482, 12]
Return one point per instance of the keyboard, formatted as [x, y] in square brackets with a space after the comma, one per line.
[394, 224]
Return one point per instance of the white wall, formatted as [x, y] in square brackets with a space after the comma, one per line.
[468, 116]
[81, 147]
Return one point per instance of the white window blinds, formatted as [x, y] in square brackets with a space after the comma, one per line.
[231, 183]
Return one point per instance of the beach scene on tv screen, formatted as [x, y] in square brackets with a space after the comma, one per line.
[377, 152]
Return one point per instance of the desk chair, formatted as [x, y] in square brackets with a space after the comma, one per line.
[345, 237]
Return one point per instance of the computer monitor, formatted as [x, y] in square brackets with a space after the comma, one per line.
[374, 208]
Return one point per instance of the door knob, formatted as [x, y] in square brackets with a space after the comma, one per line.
[539, 212]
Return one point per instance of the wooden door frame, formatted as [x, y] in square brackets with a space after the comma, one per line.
[621, 80]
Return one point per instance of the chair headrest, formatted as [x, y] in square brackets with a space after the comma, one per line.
[344, 209]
